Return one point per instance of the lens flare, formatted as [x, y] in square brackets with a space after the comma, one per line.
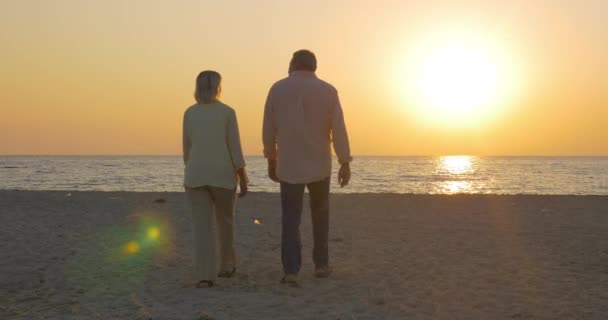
[119, 257]
[153, 233]
[132, 247]
[256, 221]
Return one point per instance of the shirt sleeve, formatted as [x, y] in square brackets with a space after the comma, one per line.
[269, 132]
[186, 143]
[234, 141]
[339, 134]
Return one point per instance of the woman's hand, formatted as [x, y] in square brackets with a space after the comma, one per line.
[244, 188]
[243, 182]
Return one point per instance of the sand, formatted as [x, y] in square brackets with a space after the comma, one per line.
[395, 256]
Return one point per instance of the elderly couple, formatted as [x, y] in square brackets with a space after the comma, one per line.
[302, 117]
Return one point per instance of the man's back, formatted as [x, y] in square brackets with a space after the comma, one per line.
[301, 116]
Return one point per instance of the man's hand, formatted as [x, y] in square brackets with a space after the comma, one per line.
[272, 170]
[344, 175]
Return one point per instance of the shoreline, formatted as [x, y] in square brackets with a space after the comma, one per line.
[414, 256]
[332, 194]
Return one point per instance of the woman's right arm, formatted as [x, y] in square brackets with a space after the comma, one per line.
[186, 143]
[243, 181]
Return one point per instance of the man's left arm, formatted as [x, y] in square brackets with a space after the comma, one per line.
[340, 142]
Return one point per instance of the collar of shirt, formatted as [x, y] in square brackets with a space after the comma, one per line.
[302, 73]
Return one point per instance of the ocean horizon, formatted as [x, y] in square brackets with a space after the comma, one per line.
[552, 175]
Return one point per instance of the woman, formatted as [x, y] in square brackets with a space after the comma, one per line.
[214, 165]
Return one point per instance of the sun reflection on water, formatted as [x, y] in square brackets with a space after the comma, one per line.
[458, 170]
[456, 164]
[452, 187]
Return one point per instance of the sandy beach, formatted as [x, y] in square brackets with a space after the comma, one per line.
[122, 255]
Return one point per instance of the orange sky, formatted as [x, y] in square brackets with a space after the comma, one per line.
[114, 77]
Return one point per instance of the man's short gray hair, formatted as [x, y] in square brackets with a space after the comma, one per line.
[207, 86]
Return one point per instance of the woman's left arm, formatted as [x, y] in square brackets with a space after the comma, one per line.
[236, 152]
[234, 142]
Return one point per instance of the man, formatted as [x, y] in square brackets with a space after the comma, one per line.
[302, 117]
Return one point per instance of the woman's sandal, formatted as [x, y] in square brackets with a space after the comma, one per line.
[204, 284]
[227, 274]
[290, 280]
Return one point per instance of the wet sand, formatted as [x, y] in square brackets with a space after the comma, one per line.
[66, 255]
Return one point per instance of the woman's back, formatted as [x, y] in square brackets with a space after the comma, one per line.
[215, 153]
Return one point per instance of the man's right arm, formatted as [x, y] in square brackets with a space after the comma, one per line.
[269, 138]
[186, 143]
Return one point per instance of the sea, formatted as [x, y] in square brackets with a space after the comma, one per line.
[417, 175]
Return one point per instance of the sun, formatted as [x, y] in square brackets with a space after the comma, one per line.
[457, 79]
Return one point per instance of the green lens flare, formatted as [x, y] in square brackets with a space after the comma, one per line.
[114, 260]
[153, 233]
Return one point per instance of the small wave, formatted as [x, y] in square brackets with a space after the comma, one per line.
[10, 167]
[411, 177]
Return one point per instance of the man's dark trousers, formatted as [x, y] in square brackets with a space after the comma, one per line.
[291, 244]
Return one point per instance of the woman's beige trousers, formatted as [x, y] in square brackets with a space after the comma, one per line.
[211, 207]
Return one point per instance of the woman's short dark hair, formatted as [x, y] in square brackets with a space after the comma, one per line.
[208, 86]
[304, 60]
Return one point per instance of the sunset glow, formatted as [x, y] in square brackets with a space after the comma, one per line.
[458, 79]
[428, 78]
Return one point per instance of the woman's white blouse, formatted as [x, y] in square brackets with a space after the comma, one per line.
[211, 146]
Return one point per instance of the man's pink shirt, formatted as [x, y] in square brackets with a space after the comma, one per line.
[302, 118]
